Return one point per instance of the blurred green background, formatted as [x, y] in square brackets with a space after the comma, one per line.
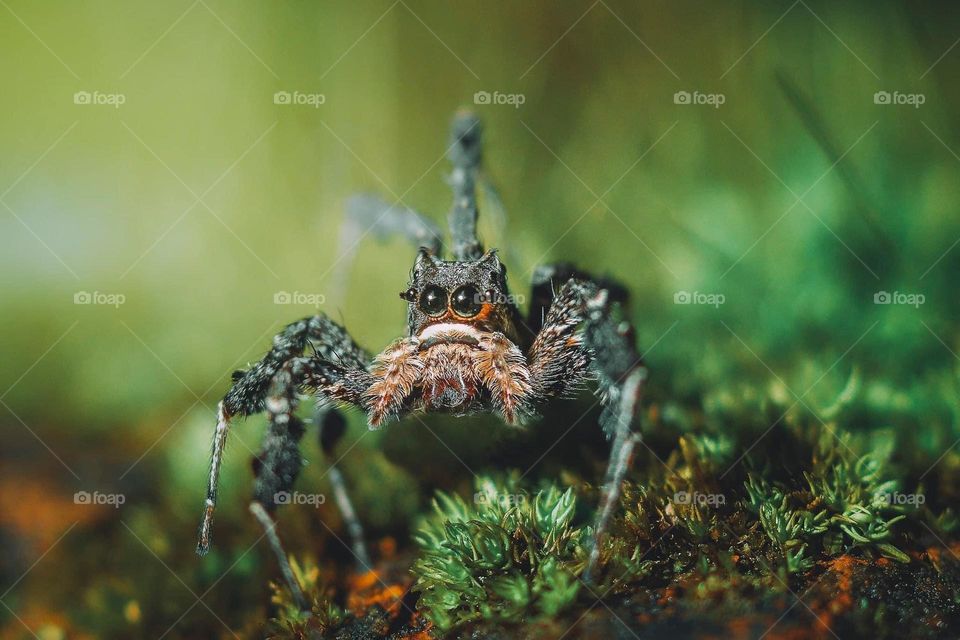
[199, 198]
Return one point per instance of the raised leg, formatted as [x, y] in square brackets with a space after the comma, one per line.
[371, 214]
[464, 154]
[584, 336]
[367, 213]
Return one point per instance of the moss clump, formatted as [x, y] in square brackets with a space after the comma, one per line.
[290, 621]
[506, 556]
[847, 505]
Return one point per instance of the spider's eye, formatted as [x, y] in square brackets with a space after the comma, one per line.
[433, 301]
[466, 301]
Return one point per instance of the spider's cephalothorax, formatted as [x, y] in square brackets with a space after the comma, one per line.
[469, 292]
[468, 349]
[462, 354]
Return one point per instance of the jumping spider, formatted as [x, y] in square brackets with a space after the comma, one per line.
[468, 350]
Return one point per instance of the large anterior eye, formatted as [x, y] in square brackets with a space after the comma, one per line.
[433, 301]
[466, 301]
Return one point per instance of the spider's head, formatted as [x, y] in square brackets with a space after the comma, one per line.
[470, 293]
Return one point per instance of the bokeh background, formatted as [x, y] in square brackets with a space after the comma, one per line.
[181, 213]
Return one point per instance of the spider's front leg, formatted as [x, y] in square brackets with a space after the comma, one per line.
[582, 337]
[251, 389]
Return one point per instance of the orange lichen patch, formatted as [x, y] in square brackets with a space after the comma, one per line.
[935, 555]
[824, 622]
[364, 581]
[793, 633]
[40, 512]
[739, 628]
[667, 597]
[387, 547]
[422, 635]
[42, 623]
[369, 589]
[654, 413]
[843, 568]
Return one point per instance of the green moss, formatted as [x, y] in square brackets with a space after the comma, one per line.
[290, 621]
[505, 556]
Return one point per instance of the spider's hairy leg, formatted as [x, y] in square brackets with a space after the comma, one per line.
[464, 154]
[248, 394]
[279, 463]
[330, 428]
[548, 278]
[621, 376]
[582, 337]
[559, 360]
[503, 370]
[394, 372]
[370, 214]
